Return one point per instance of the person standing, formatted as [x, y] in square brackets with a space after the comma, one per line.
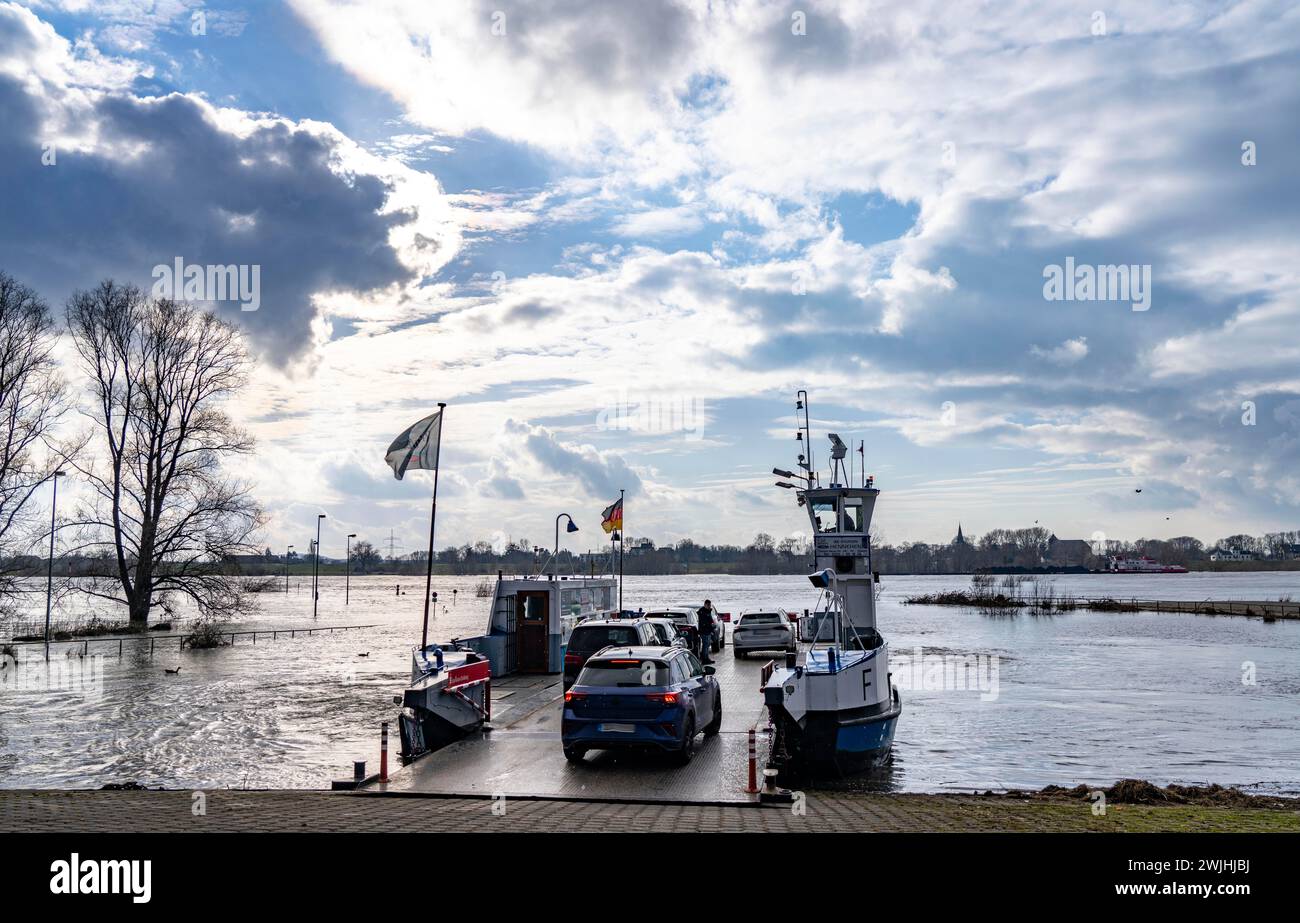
[705, 617]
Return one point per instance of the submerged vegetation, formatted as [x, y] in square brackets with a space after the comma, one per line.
[989, 594]
[1022, 592]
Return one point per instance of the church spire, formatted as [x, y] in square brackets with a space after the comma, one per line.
[960, 539]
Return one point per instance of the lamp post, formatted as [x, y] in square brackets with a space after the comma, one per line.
[288, 548]
[571, 527]
[347, 573]
[49, 578]
[315, 579]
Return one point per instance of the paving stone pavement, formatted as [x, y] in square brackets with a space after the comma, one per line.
[298, 811]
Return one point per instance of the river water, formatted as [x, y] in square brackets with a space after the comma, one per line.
[1079, 697]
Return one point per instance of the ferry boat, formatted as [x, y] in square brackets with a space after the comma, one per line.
[1143, 565]
[528, 625]
[834, 706]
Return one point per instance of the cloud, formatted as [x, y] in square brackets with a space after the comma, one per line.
[173, 176]
[1068, 352]
[601, 474]
[989, 141]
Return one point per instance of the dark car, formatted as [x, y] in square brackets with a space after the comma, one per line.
[590, 636]
[669, 634]
[654, 698]
[688, 623]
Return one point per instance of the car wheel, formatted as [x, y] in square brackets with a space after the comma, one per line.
[687, 751]
[715, 725]
[574, 754]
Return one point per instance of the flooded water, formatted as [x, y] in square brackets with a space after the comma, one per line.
[1079, 697]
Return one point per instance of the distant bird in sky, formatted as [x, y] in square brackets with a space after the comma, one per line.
[1138, 491]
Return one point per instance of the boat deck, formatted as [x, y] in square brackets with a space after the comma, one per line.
[521, 755]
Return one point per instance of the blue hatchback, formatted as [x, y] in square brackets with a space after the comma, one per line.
[656, 698]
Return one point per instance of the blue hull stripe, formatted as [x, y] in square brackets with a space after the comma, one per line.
[866, 738]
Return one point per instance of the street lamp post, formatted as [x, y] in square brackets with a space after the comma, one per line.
[49, 577]
[287, 549]
[347, 578]
[315, 579]
[571, 527]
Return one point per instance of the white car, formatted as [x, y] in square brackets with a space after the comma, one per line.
[766, 630]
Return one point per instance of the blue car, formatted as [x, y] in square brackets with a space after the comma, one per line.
[654, 698]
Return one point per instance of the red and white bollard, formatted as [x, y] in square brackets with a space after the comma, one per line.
[383, 752]
[752, 788]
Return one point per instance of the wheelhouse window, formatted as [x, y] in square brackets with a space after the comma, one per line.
[852, 519]
[823, 512]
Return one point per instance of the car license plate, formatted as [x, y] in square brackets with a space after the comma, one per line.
[617, 728]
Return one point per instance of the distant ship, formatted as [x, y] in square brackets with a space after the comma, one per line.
[1143, 565]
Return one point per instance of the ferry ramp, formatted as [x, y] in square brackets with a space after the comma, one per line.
[522, 755]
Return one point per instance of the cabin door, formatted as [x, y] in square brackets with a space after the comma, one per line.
[531, 622]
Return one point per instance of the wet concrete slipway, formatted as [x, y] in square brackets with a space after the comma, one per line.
[521, 755]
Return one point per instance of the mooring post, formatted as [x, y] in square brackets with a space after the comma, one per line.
[752, 788]
[383, 752]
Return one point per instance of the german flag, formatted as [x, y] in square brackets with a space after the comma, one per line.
[612, 517]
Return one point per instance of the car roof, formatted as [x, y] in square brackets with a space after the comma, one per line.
[646, 651]
[679, 610]
[776, 611]
[605, 623]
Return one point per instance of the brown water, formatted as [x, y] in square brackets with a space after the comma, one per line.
[1081, 697]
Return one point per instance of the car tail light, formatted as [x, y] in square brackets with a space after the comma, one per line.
[572, 660]
[572, 696]
[725, 616]
[662, 698]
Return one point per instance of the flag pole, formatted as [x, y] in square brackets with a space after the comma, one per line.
[622, 510]
[433, 517]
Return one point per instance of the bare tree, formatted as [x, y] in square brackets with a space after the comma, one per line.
[365, 555]
[159, 373]
[31, 403]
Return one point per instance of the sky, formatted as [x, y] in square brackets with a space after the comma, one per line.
[617, 238]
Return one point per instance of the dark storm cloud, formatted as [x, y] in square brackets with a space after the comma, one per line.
[163, 180]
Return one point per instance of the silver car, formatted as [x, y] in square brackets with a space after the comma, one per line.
[766, 630]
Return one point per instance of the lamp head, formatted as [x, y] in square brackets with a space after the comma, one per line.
[823, 579]
[571, 527]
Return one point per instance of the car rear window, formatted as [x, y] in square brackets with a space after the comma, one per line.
[625, 672]
[589, 638]
[755, 618]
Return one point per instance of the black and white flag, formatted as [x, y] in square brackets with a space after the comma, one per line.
[417, 447]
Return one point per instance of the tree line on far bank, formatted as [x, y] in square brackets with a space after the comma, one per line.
[1025, 548]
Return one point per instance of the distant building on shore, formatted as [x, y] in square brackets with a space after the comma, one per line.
[1230, 554]
[1068, 552]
